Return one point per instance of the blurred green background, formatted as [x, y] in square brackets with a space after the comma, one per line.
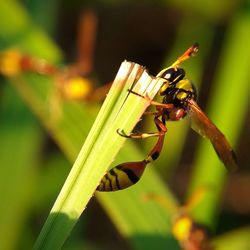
[36, 157]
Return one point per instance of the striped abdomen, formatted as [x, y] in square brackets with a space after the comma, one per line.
[122, 176]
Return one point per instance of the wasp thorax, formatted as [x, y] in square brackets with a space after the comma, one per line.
[184, 89]
[178, 94]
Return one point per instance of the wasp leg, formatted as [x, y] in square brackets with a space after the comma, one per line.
[159, 124]
[162, 105]
[154, 113]
[129, 173]
[155, 152]
[154, 103]
[137, 135]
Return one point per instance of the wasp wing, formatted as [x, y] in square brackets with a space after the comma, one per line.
[206, 128]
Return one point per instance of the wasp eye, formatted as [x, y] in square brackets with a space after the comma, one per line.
[173, 75]
[168, 76]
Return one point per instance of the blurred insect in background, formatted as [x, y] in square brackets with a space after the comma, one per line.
[74, 82]
[179, 100]
[189, 234]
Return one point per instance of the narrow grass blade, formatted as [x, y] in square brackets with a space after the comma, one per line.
[236, 239]
[120, 110]
[228, 105]
[20, 148]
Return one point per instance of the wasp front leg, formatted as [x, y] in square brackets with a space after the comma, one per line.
[127, 174]
[158, 105]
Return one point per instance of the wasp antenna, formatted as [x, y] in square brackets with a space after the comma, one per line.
[190, 52]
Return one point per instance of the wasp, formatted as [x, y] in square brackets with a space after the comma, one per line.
[190, 234]
[178, 101]
[68, 80]
[72, 82]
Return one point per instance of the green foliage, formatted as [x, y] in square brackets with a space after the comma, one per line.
[32, 174]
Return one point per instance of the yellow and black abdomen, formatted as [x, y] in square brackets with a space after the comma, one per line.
[122, 176]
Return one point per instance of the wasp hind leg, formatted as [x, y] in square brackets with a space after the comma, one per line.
[127, 174]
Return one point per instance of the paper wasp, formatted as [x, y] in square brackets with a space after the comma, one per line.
[179, 100]
[190, 234]
[68, 82]
[71, 82]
